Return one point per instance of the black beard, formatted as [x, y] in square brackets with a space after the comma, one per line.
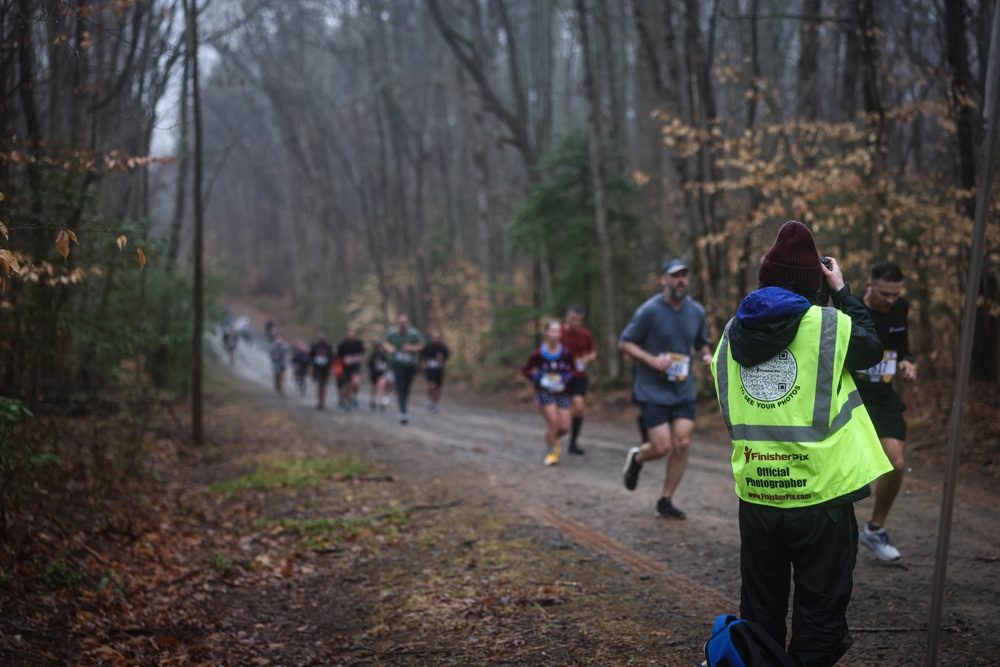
[678, 294]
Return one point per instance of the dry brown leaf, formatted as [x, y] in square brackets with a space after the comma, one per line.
[62, 241]
[8, 262]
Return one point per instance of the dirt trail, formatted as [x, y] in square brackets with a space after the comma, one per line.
[495, 453]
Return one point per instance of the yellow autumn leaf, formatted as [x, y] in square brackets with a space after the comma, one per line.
[62, 241]
[121, 242]
[142, 258]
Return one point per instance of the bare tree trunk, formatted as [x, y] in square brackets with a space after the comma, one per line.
[875, 119]
[986, 335]
[600, 198]
[483, 214]
[648, 156]
[808, 68]
[698, 60]
[197, 372]
[183, 160]
[745, 275]
[852, 64]
[542, 30]
[612, 77]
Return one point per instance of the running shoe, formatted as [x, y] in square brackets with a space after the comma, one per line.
[666, 509]
[630, 473]
[575, 449]
[878, 542]
[403, 418]
[552, 458]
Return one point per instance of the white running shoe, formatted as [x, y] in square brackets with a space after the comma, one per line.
[878, 542]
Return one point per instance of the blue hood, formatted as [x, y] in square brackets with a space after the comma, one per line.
[769, 303]
[766, 323]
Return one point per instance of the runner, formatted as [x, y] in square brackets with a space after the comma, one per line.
[432, 359]
[351, 352]
[279, 354]
[243, 327]
[380, 375]
[230, 339]
[300, 366]
[321, 358]
[890, 312]
[550, 368]
[578, 340]
[660, 338]
[404, 343]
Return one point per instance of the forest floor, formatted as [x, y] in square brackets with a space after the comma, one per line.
[305, 537]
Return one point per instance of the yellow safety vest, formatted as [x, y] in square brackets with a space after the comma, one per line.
[801, 435]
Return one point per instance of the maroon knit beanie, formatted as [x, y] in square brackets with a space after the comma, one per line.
[793, 261]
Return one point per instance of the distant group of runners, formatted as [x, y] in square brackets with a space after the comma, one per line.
[392, 363]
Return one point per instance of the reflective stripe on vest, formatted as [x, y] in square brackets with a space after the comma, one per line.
[822, 424]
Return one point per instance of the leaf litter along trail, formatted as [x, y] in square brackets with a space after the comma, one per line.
[487, 446]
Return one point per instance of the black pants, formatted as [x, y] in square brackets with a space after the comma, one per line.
[818, 548]
[404, 378]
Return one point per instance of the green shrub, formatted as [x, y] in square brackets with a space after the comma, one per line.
[219, 561]
[59, 575]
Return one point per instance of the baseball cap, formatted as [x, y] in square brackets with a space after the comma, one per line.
[673, 266]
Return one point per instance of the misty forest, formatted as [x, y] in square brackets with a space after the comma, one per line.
[475, 164]
[480, 165]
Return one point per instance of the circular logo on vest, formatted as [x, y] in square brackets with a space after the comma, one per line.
[772, 379]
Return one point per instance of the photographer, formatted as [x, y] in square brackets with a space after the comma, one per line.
[804, 448]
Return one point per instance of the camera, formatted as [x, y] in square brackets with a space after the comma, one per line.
[822, 295]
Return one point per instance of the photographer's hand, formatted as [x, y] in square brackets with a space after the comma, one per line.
[834, 276]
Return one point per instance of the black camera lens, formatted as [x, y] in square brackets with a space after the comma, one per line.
[822, 296]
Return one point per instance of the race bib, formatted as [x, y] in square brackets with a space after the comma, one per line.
[381, 366]
[404, 357]
[321, 360]
[352, 359]
[433, 363]
[883, 371]
[581, 366]
[679, 368]
[553, 382]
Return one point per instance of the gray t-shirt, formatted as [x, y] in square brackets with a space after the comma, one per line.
[659, 328]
